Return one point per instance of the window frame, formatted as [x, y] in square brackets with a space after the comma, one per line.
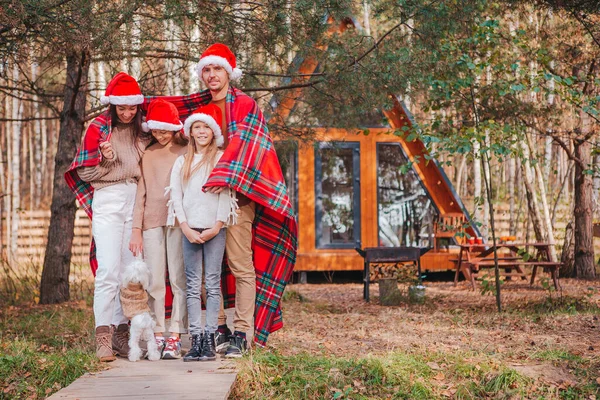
[356, 214]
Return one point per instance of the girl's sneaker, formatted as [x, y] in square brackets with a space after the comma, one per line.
[194, 353]
[172, 349]
[160, 344]
[207, 348]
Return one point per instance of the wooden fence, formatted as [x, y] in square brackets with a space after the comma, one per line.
[33, 236]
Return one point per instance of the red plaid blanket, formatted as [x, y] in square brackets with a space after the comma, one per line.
[88, 155]
[250, 166]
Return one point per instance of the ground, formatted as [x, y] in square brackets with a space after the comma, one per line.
[334, 345]
[544, 345]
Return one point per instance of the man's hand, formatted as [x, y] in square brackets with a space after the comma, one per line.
[136, 244]
[216, 189]
[107, 150]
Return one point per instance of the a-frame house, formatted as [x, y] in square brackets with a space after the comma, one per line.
[355, 190]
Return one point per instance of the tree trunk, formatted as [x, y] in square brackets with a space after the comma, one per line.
[54, 286]
[512, 165]
[582, 212]
[566, 258]
[549, 233]
[532, 203]
[477, 210]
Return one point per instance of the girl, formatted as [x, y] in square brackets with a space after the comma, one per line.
[201, 217]
[104, 177]
[159, 240]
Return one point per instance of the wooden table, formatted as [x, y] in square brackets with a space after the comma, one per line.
[472, 257]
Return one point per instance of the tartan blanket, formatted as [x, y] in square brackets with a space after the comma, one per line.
[251, 167]
[89, 155]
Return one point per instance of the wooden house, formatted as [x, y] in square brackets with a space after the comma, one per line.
[355, 190]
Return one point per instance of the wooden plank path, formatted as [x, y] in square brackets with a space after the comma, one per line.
[163, 379]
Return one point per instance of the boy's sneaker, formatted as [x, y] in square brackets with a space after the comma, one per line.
[160, 344]
[222, 340]
[194, 353]
[172, 350]
[237, 347]
[207, 350]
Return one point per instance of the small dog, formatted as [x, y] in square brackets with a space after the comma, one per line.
[134, 300]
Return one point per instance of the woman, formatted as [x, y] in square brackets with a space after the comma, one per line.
[104, 178]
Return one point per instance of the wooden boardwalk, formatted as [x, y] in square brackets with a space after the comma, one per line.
[163, 379]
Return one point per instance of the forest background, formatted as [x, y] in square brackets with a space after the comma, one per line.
[505, 94]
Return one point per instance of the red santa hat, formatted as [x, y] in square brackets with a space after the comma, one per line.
[219, 54]
[122, 90]
[162, 115]
[211, 115]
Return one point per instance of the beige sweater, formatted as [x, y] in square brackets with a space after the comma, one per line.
[124, 165]
[151, 203]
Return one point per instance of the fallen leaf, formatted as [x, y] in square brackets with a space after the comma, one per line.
[433, 365]
[439, 377]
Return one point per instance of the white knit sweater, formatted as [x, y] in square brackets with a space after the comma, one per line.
[190, 204]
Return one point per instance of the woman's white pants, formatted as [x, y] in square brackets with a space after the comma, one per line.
[112, 217]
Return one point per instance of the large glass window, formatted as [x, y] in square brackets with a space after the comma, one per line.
[337, 190]
[287, 153]
[405, 211]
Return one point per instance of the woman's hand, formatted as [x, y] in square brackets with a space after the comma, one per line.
[136, 244]
[191, 235]
[107, 150]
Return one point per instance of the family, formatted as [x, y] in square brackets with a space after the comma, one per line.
[204, 200]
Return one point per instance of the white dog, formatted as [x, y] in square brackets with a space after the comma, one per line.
[134, 300]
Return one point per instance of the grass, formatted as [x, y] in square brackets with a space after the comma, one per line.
[399, 375]
[299, 369]
[44, 348]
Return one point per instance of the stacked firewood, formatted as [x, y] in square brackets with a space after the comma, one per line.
[404, 272]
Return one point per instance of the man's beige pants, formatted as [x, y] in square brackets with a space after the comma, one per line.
[238, 248]
[163, 249]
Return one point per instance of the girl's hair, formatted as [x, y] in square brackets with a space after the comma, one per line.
[138, 133]
[208, 161]
[180, 139]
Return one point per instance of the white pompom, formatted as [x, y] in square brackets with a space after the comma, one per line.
[235, 74]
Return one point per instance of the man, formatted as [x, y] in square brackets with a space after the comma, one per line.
[261, 247]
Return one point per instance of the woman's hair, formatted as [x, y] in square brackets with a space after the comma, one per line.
[208, 161]
[137, 123]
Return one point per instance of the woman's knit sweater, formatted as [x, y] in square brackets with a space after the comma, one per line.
[123, 166]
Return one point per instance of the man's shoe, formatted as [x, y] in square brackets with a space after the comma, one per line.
[120, 341]
[222, 340]
[237, 347]
[194, 353]
[103, 344]
[172, 349]
[207, 350]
